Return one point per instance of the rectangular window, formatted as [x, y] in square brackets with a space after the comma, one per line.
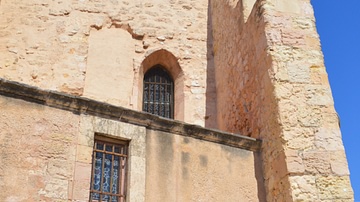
[109, 170]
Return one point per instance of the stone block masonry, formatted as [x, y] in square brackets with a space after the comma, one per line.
[53, 45]
[272, 84]
[241, 66]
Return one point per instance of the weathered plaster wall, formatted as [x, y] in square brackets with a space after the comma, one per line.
[272, 84]
[185, 169]
[48, 152]
[37, 151]
[50, 44]
[109, 72]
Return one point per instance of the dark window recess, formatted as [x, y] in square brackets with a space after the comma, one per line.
[109, 171]
[158, 92]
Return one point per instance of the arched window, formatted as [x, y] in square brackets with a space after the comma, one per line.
[158, 93]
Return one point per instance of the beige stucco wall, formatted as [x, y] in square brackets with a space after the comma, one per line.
[96, 49]
[37, 152]
[185, 169]
[48, 152]
[109, 74]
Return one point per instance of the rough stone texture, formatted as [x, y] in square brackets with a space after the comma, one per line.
[257, 72]
[57, 45]
[37, 151]
[91, 126]
[271, 84]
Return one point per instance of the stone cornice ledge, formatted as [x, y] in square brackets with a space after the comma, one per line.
[81, 105]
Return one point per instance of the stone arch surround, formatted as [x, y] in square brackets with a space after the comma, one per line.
[166, 59]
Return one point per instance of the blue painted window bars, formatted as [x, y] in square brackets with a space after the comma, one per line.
[109, 171]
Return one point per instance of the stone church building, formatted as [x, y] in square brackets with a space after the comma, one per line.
[166, 101]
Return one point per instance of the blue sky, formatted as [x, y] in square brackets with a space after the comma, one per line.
[338, 24]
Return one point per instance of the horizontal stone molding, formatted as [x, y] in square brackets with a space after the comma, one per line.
[81, 105]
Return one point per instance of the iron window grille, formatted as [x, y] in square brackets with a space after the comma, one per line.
[158, 92]
[109, 170]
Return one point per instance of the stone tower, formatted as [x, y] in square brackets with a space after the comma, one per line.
[248, 67]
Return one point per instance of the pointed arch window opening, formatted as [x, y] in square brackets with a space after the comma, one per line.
[158, 92]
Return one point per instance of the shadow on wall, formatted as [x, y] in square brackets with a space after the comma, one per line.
[212, 98]
[238, 69]
[211, 109]
[243, 9]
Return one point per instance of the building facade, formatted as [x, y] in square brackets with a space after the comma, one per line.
[77, 76]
